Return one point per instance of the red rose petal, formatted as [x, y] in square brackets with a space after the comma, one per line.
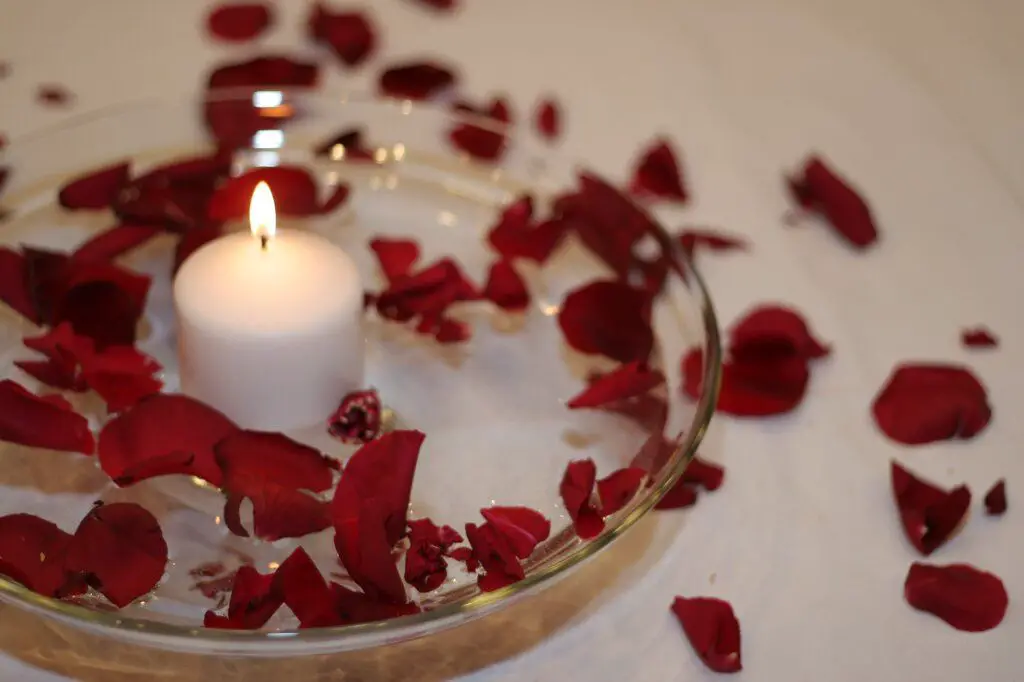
[713, 631]
[361, 541]
[337, 199]
[32, 552]
[628, 381]
[265, 71]
[924, 403]
[174, 196]
[549, 119]
[657, 174]
[425, 567]
[96, 190]
[618, 488]
[239, 22]
[63, 350]
[42, 421]
[689, 240]
[428, 292]
[345, 146]
[102, 301]
[995, 499]
[451, 331]
[506, 288]
[255, 597]
[396, 256]
[516, 236]
[121, 550]
[967, 598]
[705, 474]
[978, 337]
[929, 514]
[357, 419]
[295, 193]
[608, 317]
[576, 490]
[15, 289]
[496, 555]
[355, 607]
[54, 95]
[272, 470]
[440, 5]
[304, 589]
[485, 141]
[819, 189]
[349, 34]
[160, 426]
[114, 242]
[522, 527]
[772, 331]
[416, 80]
[681, 495]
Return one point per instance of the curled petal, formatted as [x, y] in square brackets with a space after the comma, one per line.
[657, 175]
[820, 189]
[713, 631]
[930, 515]
[995, 499]
[42, 421]
[967, 598]
[608, 317]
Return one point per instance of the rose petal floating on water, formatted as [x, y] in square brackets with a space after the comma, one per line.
[496, 555]
[821, 190]
[576, 490]
[238, 22]
[350, 35]
[97, 189]
[618, 488]
[548, 119]
[255, 598]
[295, 193]
[506, 288]
[978, 337]
[482, 142]
[396, 256]
[929, 515]
[713, 631]
[967, 598]
[515, 235]
[923, 403]
[523, 528]
[42, 421]
[608, 317]
[416, 80]
[628, 381]
[425, 567]
[689, 240]
[995, 499]
[32, 552]
[657, 174]
[681, 495]
[15, 287]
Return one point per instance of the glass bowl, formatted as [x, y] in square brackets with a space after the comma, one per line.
[493, 409]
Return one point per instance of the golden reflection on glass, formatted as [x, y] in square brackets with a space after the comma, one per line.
[391, 181]
[268, 139]
[380, 155]
[398, 152]
[265, 99]
[266, 159]
[332, 178]
[447, 218]
[549, 309]
[337, 152]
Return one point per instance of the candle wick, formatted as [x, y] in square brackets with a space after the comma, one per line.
[264, 240]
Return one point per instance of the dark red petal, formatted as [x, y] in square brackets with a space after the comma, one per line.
[440, 5]
[32, 551]
[63, 350]
[516, 236]
[255, 598]
[618, 488]
[705, 474]
[362, 543]
[239, 22]
[416, 80]
[967, 598]
[995, 499]
[97, 190]
[923, 403]
[425, 567]
[15, 288]
[608, 317]
[192, 241]
[304, 589]
[496, 555]
[337, 199]
[396, 256]
[272, 470]
[452, 331]
[576, 490]
[549, 119]
[689, 240]
[772, 331]
[54, 95]
[657, 174]
[345, 146]
[428, 292]
[121, 550]
[355, 607]
[265, 71]
[121, 376]
[358, 417]
[160, 426]
[628, 381]
[163, 465]
[978, 337]
[821, 190]
[42, 421]
[383, 469]
[484, 141]
[116, 241]
[506, 288]
[522, 527]
[349, 34]
[295, 193]
[681, 495]
[713, 631]
[750, 389]
[930, 515]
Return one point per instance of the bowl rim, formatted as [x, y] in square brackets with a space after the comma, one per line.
[147, 631]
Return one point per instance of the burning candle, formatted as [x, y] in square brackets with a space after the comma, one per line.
[270, 324]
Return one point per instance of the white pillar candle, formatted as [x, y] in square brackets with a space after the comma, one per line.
[270, 325]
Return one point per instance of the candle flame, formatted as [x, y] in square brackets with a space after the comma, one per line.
[262, 214]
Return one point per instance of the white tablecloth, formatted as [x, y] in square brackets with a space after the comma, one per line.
[918, 101]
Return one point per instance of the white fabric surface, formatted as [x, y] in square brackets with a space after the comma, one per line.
[918, 101]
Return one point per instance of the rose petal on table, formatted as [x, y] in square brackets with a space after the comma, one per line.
[255, 598]
[927, 402]
[978, 337]
[608, 317]
[628, 381]
[769, 331]
[548, 119]
[690, 240]
[576, 491]
[115, 241]
[522, 527]
[496, 555]
[966, 597]
[930, 515]
[63, 350]
[753, 389]
[395, 256]
[238, 22]
[818, 188]
[995, 499]
[54, 95]
[705, 474]
[506, 288]
[162, 425]
[657, 174]
[713, 631]
[42, 421]
[416, 80]
[32, 552]
[295, 193]
[15, 286]
[681, 496]
[95, 190]
[618, 488]
[120, 549]
[274, 472]
[347, 145]
[350, 35]
[352, 608]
